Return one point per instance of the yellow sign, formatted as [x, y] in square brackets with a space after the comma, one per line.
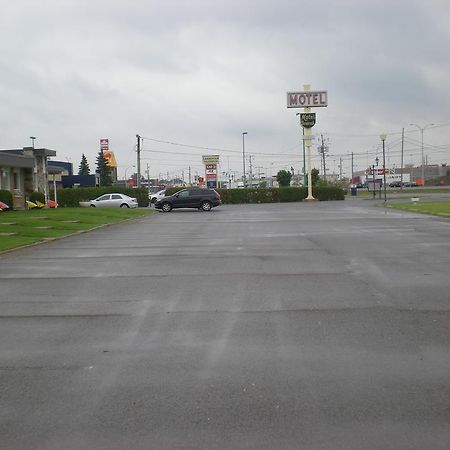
[110, 159]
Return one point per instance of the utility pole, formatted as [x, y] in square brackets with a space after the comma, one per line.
[251, 173]
[340, 168]
[243, 156]
[352, 168]
[322, 151]
[190, 179]
[148, 177]
[138, 166]
[401, 162]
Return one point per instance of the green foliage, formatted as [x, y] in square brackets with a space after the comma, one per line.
[6, 197]
[284, 178]
[172, 190]
[59, 222]
[37, 197]
[84, 169]
[278, 195]
[436, 209]
[273, 195]
[325, 193]
[315, 178]
[72, 197]
[103, 170]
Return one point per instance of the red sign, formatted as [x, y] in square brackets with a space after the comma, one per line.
[104, 144]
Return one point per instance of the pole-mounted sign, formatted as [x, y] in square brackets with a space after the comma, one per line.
[307, 99]
[307, 120]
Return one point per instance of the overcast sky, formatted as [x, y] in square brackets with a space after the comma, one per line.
[199, 73]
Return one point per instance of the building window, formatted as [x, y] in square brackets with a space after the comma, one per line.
[16, 181]
[4, 179]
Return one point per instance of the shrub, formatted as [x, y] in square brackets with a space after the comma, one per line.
[72, 197]
[37, 197]
[6, 197]
[274, 195]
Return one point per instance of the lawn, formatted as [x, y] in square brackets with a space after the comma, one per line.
[434, 208]
[19, 228]
[406, 191]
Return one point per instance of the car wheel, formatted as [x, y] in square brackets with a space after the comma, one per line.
[206, 206]
[124, 205]
[166, 207]
[92, 206]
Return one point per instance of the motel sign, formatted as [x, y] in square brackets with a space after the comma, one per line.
[307, 99]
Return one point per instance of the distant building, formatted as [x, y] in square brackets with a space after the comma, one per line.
[23, 171]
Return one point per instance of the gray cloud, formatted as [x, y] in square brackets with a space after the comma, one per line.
[201, 72]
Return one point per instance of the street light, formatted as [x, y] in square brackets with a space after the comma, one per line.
[243, 155]
[126, 170]
[32, 140]
[373, 176]
[421, 132]
[383, 138]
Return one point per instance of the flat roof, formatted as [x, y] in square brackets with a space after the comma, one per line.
[15, 160]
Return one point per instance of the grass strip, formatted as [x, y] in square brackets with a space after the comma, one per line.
[34, 226]
[441, 209]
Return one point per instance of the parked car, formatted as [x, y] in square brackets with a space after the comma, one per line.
[114, 201]
[156, 196]
[204, 199]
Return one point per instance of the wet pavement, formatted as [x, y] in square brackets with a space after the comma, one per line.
[280, 326]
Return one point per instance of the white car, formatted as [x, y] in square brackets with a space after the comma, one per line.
[157, 196]
[114, 201]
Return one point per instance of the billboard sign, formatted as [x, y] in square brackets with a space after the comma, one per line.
[211, 175]
[307, 99]
[210, 159]
[104, 145]
[110, 158]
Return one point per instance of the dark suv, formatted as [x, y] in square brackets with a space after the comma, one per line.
[204, 199]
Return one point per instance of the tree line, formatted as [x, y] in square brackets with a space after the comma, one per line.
[102, 169]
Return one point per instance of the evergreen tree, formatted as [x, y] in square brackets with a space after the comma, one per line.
[84, 169]
[103, 170]
[284, 178]
[315, 177]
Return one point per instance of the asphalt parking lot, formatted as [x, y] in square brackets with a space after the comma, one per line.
[280, 326]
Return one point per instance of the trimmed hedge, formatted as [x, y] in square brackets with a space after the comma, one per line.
[72, 196]
[6, 197]
[274, 195]
[37, 197]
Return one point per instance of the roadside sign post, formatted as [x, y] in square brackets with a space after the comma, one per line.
[211, 163]
[307, 99]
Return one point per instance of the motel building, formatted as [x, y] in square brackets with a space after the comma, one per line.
[23, 171]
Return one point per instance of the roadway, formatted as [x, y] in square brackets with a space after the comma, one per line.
[279, 326]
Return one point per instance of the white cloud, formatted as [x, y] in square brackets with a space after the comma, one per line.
[201, 72]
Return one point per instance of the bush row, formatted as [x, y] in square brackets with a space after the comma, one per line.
[275, 195]
[72, 197]
[6, 197]
[37, 197]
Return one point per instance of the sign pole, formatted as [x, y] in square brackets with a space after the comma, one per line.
[307, 99]
[307, 137]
